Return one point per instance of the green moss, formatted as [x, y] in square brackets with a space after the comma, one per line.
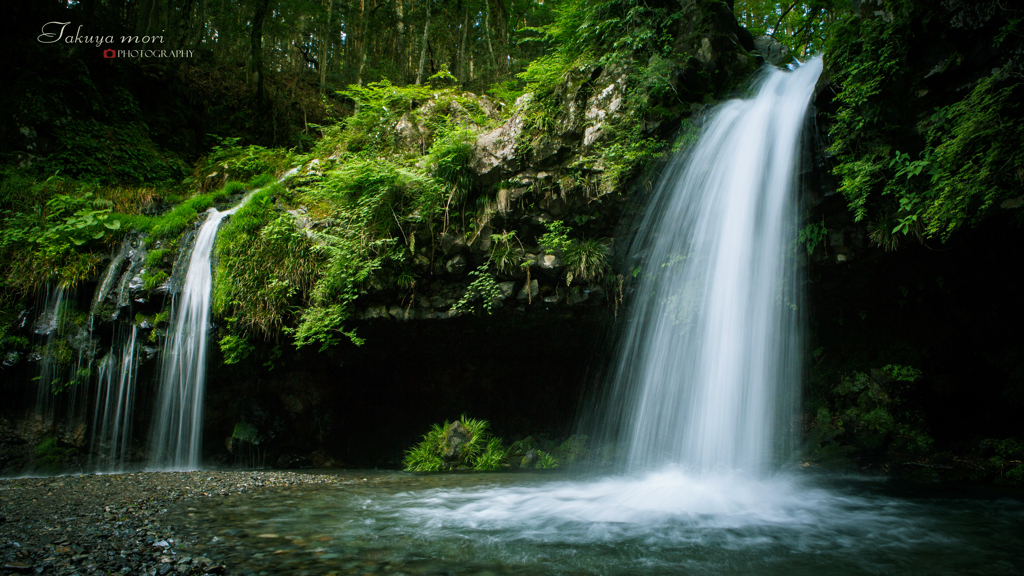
[50, 456]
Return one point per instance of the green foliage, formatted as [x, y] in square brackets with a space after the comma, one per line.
[505, 255]
[492, 458]
[156, 257]
[557, 236]
[952, 166]
[626, 152]
[370, 131]
[483, 288]
[91, 150]
[235, 348]
[812, 235]
[545, 460]
[871, 412]
[152, 279]
[573, 449]
[51, 236]
[369, 205]
[586, 260]
[1007, 460]
[50, 456]
[448, 157]
[246, 432]
[266, 265]
[586, 32]
[902, 373]
[426, 456]
[803, 27]
[244, 163]
[481, 451]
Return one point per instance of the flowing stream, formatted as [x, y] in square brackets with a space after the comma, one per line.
[661, 523]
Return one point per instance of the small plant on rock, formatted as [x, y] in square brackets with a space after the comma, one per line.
[464, 443]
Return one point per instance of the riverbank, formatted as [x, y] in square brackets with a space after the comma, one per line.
[113, 523]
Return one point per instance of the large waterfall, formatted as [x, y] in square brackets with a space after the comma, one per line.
[176, 434]
[708, 366]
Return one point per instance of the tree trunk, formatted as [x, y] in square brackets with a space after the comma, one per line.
[500, 18]
[146, 10]
[423, 49]
[325, 38]
[364, 37]
[462, 48]
[487, 34]
[256, 51]
[400, 41]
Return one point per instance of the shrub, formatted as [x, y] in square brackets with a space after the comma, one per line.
[479, 452]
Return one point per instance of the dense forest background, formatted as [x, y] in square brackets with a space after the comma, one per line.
[454, 151]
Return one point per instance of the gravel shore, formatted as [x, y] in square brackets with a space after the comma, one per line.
[111, 523]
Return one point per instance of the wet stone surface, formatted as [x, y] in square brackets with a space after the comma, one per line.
[118, 523]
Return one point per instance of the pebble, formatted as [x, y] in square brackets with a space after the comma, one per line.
[111, 523]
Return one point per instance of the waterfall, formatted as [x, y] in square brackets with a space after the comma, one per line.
[49, 324]
[176, 434]
[708, 369]
[115, 397]
[175, 438]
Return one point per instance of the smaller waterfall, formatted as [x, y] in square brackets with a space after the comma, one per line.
[115, 398]
[110, 276]
[176, 436]
[49, 325]
[65, 360]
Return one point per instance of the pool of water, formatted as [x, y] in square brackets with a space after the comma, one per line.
[662, 523]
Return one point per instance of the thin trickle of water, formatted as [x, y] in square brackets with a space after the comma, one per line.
[708, 365]
[48, 326]
[110, 275]
[115, 399]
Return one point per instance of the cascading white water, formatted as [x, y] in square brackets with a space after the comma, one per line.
[710, 356]
[175, 440]
[115, 399]
[176, 435]
[48, 325]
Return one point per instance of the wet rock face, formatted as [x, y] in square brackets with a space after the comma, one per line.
[773, 51]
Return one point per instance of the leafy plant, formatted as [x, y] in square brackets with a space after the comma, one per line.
[812, 235]
[483, 288]
[557, 236]
[586, 260]
[480, 451]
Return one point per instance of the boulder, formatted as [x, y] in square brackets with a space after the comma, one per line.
[773, 51]
[549, 262]
[456, 437]
[457, 265]
[493, 156]
[529, 292]
[507, 288]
